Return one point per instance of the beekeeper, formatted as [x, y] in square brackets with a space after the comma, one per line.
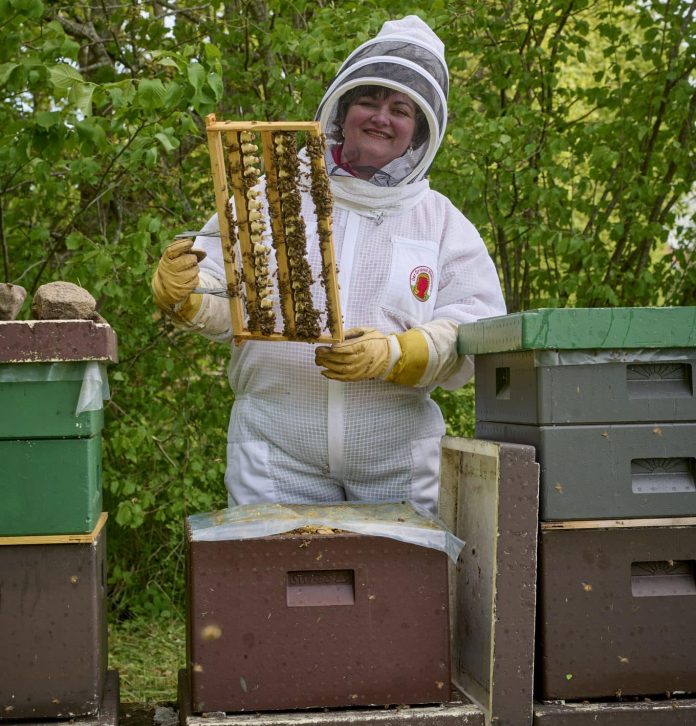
[355, 421]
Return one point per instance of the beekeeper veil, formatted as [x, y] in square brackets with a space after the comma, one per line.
[405, 56]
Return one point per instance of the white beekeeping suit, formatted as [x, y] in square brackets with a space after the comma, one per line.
[408, 260]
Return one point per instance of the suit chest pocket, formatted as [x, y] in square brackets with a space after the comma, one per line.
[412, 286]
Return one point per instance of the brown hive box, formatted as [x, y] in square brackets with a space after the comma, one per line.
[300, 621]
[616, 612]
[53, 639]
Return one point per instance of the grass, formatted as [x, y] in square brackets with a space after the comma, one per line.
[148, 653]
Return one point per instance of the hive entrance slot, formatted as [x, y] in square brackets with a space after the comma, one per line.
[502, 382]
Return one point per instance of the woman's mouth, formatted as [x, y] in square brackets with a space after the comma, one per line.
[374, 133]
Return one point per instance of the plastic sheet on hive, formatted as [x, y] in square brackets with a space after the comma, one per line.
[618, 355]
[95, 384]
[402, 521]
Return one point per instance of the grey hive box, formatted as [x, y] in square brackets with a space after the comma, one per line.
[605, 395]
[585, 365]
[586, 386]
[616, 609]
[53, 650]
[612, 471]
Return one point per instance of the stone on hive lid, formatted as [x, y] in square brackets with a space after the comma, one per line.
[11, 300]
[63, 301]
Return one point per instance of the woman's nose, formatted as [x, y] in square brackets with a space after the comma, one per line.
[380, 115]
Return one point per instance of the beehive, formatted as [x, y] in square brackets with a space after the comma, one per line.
[605, 395]
[302, 621]
[616, 602]
[557, 387]
[50, 452]
[53, 625]
[612, 471]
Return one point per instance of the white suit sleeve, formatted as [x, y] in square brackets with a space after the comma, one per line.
[445, 366]
[469, 289]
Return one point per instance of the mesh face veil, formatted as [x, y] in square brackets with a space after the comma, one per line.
[407, 57]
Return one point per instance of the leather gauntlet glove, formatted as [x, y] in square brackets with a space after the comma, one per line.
[175, 279]
[366, 354]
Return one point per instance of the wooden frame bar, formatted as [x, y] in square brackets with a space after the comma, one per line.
[249, 283]
[217, 161]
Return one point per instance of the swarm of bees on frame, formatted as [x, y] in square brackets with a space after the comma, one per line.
[285, 182]
[260, 313]
[285, 156]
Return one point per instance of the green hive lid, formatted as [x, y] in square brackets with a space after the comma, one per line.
[581, 328]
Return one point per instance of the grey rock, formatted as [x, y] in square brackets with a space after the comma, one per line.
[165, 716]
[11, 300]
[63, 301]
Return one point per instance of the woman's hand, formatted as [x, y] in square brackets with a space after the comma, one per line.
[175, 279]
[363, 355]
[366, 354]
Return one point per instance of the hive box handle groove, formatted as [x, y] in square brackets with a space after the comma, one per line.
[663, 476]
[663, 578]
[320, 588]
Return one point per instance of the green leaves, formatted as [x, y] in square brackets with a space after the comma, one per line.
[32, 9]
[68, 81]
[6, 71]
[151, 93]
[167, 139]
[64, 76]
[583, 138]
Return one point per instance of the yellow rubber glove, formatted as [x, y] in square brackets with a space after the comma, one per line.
[175, 279]
[363, 355]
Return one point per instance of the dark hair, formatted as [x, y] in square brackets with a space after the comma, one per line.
[420, 134]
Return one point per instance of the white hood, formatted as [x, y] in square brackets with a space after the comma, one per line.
[408, 57]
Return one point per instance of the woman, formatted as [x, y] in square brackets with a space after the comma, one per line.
[355, 420]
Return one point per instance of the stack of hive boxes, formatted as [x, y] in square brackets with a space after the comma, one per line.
[53, 654]
[607, 398]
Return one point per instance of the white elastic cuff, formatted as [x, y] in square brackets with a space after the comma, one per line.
[212, 319]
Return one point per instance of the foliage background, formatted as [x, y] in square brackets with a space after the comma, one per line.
[570, 146]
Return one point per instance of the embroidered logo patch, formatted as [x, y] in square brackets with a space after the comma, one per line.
[421, 282]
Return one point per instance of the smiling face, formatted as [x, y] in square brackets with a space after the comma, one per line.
[377, 129]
